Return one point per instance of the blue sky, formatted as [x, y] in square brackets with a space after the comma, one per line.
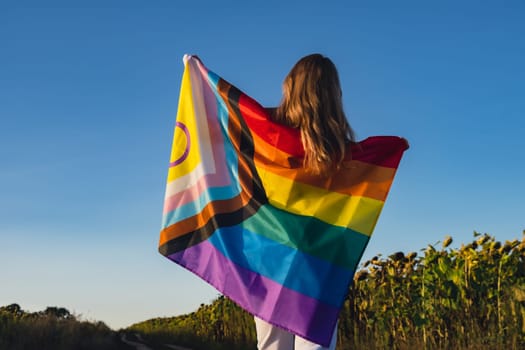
[88, 96]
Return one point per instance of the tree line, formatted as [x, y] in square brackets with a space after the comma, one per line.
[54, 328]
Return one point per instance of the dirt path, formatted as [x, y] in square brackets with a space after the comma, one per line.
[139, 343]
[176, 347]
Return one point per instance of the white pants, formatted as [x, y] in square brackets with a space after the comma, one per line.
[274, 338]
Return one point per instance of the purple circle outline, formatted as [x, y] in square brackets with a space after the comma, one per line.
[188, 142]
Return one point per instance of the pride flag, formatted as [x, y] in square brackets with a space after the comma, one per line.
[242, 213]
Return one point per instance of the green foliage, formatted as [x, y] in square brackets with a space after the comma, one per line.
[221, 325]
[467, 298]
[472, 297]
[55, 328]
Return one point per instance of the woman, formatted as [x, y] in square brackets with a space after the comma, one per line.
[311, 103]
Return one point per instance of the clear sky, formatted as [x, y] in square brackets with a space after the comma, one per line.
[88, 97]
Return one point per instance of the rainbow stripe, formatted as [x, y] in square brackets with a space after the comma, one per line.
[241, 212]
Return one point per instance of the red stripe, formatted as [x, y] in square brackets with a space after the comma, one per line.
[378, 150]
[280, 136]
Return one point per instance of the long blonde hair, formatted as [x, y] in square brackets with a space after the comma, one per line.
[312, 102]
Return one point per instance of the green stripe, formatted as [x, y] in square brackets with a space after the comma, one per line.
[338, 245]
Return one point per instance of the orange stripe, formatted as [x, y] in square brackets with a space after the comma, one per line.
[196, 222]
[376, 186]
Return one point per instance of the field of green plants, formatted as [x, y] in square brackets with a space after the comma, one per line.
[471, 297]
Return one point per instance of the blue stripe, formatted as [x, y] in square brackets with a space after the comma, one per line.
[193, 208]
[337, 245]
[213, 79]
[289, 267]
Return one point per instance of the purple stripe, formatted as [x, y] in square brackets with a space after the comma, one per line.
[188, 144]
[260, 296]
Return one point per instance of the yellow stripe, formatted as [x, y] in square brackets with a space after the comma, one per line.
[186, 115]
[355, 212]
